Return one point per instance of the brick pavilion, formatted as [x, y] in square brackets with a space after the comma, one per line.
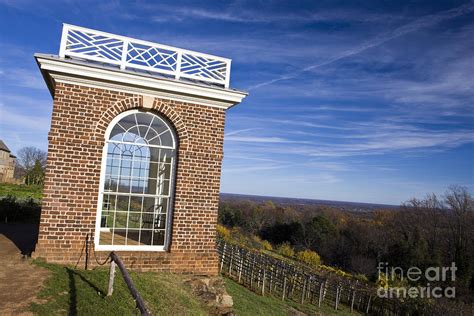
[135, 152]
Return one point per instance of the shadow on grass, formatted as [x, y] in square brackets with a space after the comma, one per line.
[72, 293]
[72, 274]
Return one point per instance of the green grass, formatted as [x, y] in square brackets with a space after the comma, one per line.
[69, 291]
[77, 292]
[249, 303]
[21, 191]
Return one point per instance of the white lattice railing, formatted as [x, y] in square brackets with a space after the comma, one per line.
[133, 53]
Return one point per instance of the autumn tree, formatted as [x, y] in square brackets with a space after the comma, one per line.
[461, 207]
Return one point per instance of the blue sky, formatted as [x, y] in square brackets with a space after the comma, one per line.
[369, 101]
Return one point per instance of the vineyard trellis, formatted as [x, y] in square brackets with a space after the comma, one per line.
[266, 275]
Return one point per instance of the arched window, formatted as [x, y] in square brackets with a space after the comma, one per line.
[137, 181]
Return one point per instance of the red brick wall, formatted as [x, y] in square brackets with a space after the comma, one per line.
[76, 139]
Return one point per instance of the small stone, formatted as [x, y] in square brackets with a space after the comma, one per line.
[226, 301]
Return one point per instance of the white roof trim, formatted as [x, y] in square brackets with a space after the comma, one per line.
[61, 70]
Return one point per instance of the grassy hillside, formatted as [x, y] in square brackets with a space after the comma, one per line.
[70, 291]
[249, 303]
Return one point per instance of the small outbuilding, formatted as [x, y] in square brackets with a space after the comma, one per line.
[135, 151]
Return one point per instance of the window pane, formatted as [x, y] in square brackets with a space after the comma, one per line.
[121, 219]
[111, 184]
[145, 237]
[167, 139]
[134, 220]
[122, 203]
[164, 187]
[148, 220]
[159, 238]
[132, 237]
[144, 119]
[136, 203]
[149, 204]
[124, 185]
[138, 186]
[119, 236]
[117, 130]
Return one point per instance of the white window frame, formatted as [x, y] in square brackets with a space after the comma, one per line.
[103, 168]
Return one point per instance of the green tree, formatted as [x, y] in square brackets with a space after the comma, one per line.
[36, 174]
[318, 232]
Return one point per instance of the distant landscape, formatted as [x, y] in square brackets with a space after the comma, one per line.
[354, 239]
[342, 205]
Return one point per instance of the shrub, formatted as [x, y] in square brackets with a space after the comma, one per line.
[286, 250]
[267, 245]
[223, 232]
[14, 210]
[237, 236]
[361, 277]
[255, 242]
[382, 281]
[309, 257]
[336, 271]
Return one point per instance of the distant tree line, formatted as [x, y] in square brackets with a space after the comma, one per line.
[433, 231]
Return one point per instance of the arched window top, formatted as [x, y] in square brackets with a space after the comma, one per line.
[142, 128]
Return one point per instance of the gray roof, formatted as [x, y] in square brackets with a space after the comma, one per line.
[3, 146]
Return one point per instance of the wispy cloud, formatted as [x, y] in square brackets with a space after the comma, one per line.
[419, 23]
[241, 14]
[260, 139]
[23, 78]
[240, 131]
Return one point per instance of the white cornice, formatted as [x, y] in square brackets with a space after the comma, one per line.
[60, 70]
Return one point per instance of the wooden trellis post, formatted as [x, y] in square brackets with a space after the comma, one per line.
[251, 273]
[241, 267]
[230, 263]
[368, 305]
[303, 292]
[308, 290]
[352, 300]
[223, 256]
[271, 280]
[320, 294]
[263, 283]
[284, 289]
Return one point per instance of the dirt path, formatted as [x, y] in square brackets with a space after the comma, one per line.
[20, 280]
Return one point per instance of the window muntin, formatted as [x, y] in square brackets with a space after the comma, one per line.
[137, 180]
